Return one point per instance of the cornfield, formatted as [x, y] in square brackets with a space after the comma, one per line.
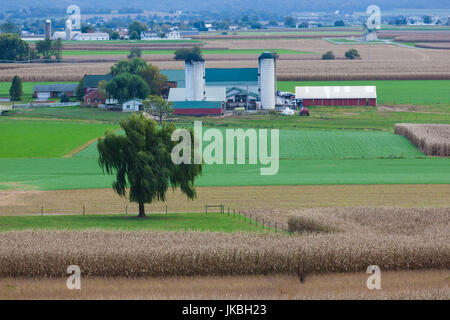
[431, 139]
[393, 239]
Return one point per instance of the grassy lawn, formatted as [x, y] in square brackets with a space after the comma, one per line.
[160, 221]
[31, 139]
[415, 92]
[70, 113]
[207, 51]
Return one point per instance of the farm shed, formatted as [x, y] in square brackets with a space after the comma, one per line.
[46, 91]
[132, 105]
[90, 82]
[198, 108]
[337, 96]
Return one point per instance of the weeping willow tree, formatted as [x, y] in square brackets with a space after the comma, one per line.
[141, 162]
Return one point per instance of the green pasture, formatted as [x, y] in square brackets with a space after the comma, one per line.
[73, 173]
[324, 144]
[69, 113]
[206, 51]
[44, 139]
[154, 221]
[415, 92]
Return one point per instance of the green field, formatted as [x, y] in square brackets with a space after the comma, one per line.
[327, 144]
[415, 92]
[72, 173]
[207, 51]
[69, 113]
[155, 221]
[45, 139]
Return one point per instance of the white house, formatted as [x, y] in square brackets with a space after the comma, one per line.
[132, 105]
[91, 36]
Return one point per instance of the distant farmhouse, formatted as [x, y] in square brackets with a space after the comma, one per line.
[47, 91]
[172, 35]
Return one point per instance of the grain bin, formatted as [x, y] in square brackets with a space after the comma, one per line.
[267, 80]
[48, 30]
[195, 80]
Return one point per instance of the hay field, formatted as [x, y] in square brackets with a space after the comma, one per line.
[418, 246]
[432, 139]
[423, 285]
[386, 62]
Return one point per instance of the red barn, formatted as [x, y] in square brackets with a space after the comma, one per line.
[337, 96]
[198, 108]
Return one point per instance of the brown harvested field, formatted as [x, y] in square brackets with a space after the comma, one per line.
[281, 199]
[37, 254]
[435, 45]
[432, 284]
[386, 62]
[431, 139]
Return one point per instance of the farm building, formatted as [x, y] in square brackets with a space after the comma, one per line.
[91, 36]
[251, 88]
[47, 91]
[90, 82]
[132, 105]
[94, 98]
[337, 96]
[211, 102]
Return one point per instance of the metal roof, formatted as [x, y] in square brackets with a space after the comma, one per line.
[239, 91]
[91, 81]
[340, 92]
[215, 76]
[63, 87]
[231, 74]
[266, 55]
[211, 94]
[197, 104]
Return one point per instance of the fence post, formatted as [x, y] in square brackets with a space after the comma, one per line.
[206, 208]
[250, 216]
[263, 223]
[228, 211]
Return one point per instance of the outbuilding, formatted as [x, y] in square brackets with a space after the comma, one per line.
[132, 105]
[337, 96]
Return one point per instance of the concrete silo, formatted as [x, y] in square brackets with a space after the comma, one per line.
[195, 80]
[68, 30]
[267, 80]
[48, 29]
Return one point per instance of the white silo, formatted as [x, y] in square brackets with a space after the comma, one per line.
[267, 80]
[195, 80]
[48, 29]
[68, 30]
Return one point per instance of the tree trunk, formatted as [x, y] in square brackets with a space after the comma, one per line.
[141, 210]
